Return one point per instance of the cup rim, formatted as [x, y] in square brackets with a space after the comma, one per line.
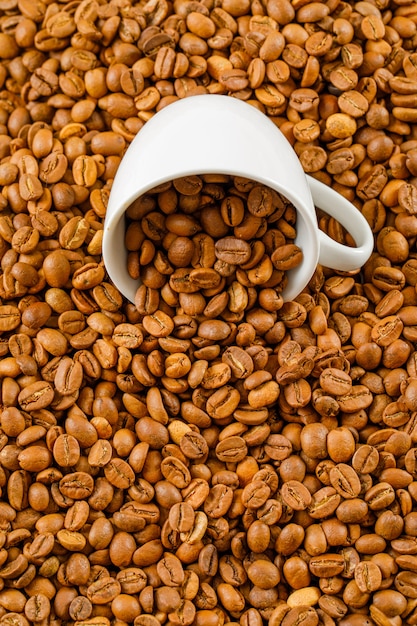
[298, 204]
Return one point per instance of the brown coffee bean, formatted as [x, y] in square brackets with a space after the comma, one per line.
[73, 234]
[158, 324]
[255, 494]
[345, 480]
[170, 570]
[359, 397]
[303, 615]
[278, 447]
[77, 515]
[176, 472]
[77, 485]
[25, 274]
[88, 276]
[340, 444]
[36, 396]
[232, 250]
[181, 517]
[119, 473]
[287, 257]
[365, 459]
[368, 576]
[387, 330]
[80, 608]
[9, 317]
[326, 565]
[103, 590]
[68, 376]
[295, 495]
[53, 167]
[218, 501]
[108, 143]
[263, 574]
[335, 381]
[38, 607]
[352, 102]
[372, 27]
[324, 502]
[66, 450]
[231, 448]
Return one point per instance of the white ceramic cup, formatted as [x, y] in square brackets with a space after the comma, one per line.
[212, 134]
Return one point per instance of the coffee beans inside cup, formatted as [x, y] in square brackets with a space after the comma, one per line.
[211, 244]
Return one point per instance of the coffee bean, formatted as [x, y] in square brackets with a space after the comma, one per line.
[181, 517]
[368, 577]
[255, 494]
[103, 590]
[170, 570]
[37, 608]
[345, 480]
[296, 495]
[76, 485]
[66, 450]
[287, 257]
[36, 396]
[232, 250]
[119, 473]
[193, 445]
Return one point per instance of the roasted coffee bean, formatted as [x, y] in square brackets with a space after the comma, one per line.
[181, 517]
[368, 577]
[345, 480]
[232, 250]
[295, 495]
[233, 448]
[77, 485]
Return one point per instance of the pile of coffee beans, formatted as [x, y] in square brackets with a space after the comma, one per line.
[210, 457]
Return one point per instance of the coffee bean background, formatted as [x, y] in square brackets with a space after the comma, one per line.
[255, 467]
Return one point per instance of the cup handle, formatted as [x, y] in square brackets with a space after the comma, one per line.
[336, 255]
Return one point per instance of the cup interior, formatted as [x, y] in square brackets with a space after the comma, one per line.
[115, 251]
